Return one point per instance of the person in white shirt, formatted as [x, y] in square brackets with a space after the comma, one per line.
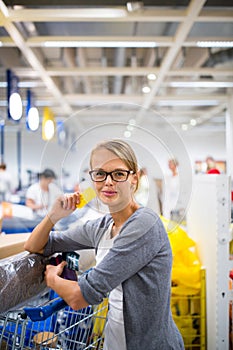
[41, 195]
[171, 189]
[6, 186]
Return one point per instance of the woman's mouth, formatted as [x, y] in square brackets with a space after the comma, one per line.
[109, 193]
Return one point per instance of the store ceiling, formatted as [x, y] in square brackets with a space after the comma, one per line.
[70, 57]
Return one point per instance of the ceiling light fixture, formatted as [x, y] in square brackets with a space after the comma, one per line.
[184, 127]
[132, 122]
[193, 122]
[33, 119]
[201, 84]
[151, 76]
[134, 6]
[15, 106]
[97, 13]
[32, 113]
[184, 103]
[100, 44]
[48, 124]
[146, 89]
[127, 134]
[23, 84]
[214, 43]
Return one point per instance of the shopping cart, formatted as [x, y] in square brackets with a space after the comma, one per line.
[53, 325]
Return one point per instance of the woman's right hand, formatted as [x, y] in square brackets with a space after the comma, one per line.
[63, 206]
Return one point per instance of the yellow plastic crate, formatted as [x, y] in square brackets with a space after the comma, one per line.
[189, 313]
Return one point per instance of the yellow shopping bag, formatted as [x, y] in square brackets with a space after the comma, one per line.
[186, 267]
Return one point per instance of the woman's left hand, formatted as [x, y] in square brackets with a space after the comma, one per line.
[52, 271]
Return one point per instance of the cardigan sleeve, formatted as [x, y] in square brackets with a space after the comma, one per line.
[79, 237]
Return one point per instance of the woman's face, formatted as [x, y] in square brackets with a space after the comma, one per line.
[171, 165]
[117, 195]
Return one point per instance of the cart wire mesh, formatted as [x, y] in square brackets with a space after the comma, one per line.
[65, 329]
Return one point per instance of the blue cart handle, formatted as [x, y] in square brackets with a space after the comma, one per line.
[42, 312]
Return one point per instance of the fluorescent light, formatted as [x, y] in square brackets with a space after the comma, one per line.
[214, 43]
[33, 119]
[193, 103]
[109, 44]
[97, 13]
[28, 84]
[201, 84]
[151, 76]
[127, 134]
[193, 122]
[132, 122]
[104, 13]
[130, 127]
[22, 84]
[15, 106]
[146, 89]
[1, 43]
[49, 130]
[48, 124]
[184, 127]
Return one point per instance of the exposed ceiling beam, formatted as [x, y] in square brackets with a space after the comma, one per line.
[126, 71]
[32, 58]
[117, 14]
[82, 63]
[183, 29]
[206, 116]
[135, 101]
[67, 101]
[69, 56]
[81, 99]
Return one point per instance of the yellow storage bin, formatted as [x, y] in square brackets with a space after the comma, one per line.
[189, 313]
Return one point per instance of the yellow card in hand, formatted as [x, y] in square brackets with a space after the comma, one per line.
[85, 197]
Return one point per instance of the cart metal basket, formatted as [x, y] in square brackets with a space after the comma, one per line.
[53, 325]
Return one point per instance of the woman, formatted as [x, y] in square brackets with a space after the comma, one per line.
[134, 257]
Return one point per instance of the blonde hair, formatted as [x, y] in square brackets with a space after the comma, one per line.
[122, 150]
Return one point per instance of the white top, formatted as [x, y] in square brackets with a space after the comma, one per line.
[45, 198]
[171, 195]
[114, 330]
[6, 186]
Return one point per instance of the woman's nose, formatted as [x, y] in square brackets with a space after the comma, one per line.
[108, 179]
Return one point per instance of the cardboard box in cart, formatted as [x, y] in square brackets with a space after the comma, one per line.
[12, 244]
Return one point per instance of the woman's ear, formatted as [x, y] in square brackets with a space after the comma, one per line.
[135, 180]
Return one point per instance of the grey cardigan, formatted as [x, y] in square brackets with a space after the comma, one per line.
[140, 259]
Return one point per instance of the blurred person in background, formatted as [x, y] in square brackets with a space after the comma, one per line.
[41, 195]
[171, 189]
[6, 185]
[211, 166]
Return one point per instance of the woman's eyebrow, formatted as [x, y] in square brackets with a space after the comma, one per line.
[116, 169]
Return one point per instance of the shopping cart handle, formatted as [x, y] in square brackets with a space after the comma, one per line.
[42, 312]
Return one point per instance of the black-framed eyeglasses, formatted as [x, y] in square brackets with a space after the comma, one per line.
[116, 175]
